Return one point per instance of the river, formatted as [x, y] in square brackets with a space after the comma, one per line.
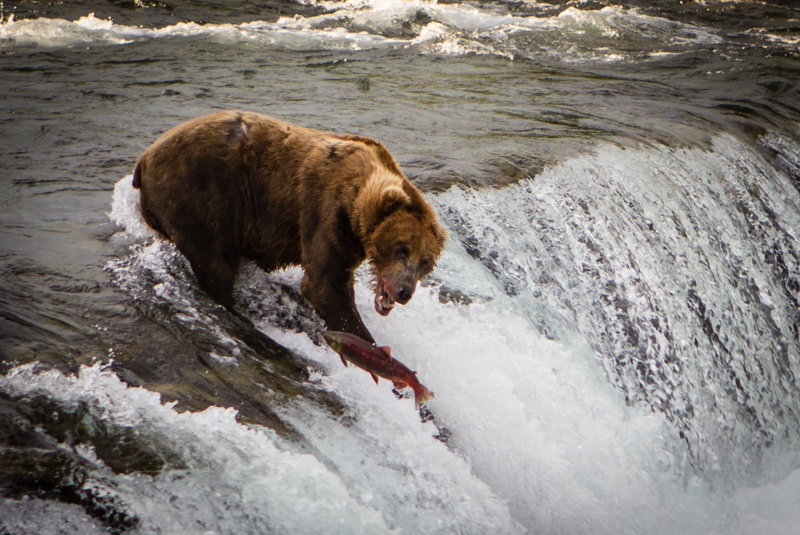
[612, 332]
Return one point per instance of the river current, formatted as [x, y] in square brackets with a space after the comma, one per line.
[612, 332]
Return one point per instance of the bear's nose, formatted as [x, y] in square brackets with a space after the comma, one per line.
[404, 293]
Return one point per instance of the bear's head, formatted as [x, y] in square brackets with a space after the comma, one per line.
[403, 241]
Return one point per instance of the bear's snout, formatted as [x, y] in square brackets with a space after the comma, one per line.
[400, 285]
[393, 288]
[404, 293]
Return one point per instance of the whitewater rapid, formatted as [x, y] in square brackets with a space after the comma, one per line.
[425, 26]
[538, 424]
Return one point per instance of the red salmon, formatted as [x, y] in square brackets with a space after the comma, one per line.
[376, 360]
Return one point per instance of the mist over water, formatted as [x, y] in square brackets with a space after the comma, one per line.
[611, 333]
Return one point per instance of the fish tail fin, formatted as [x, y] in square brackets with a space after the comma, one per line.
[375, 377]
[421, 394]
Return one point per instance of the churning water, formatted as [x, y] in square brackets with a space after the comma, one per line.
[611, 333]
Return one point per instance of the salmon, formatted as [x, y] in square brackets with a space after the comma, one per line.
[376, 360]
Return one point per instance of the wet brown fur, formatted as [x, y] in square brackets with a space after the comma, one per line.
[238, 184]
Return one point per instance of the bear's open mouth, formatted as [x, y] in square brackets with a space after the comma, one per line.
[383, 301]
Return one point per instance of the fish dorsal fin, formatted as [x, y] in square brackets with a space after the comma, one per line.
[375, 377]
[343, 361]
[387, 350]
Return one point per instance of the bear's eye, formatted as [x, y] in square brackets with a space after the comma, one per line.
[401, 251]
[425, 264]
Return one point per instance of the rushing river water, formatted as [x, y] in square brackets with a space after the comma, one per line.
[612, 333]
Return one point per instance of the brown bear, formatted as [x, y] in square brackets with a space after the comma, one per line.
[238, 184]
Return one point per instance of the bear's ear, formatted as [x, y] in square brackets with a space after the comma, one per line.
[377, 201]
[392, 199]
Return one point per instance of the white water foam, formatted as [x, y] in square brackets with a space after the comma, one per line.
[676, 265]
[457, 29]
[126, 214]
[286, 34]
[44, 517]
[237, 480]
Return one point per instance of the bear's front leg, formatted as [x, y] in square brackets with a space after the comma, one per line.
[333, 297]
